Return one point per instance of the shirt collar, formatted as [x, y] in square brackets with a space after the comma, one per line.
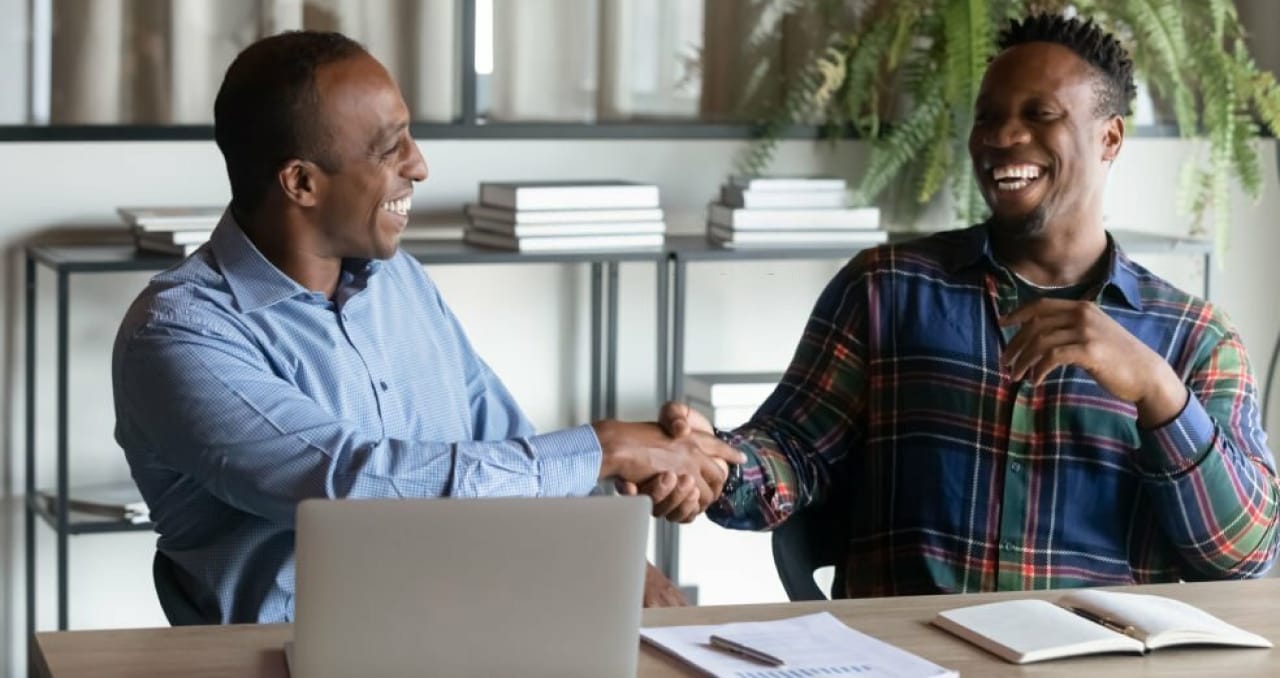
[255, 282]
[972, 246]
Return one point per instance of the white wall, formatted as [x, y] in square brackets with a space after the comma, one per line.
[740, 316]
[13, 62]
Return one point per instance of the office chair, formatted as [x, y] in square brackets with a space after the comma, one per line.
[809, 540]
[178, 606]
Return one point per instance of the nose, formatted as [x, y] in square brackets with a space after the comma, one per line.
[1004, 132]
[415, 168]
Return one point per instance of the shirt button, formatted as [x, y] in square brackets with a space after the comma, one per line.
[384, 386]
[1015, 467]
[1006, 545]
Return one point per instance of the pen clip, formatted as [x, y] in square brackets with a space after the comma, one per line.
[734, 647]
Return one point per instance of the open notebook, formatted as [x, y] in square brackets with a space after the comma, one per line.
[1089, 622]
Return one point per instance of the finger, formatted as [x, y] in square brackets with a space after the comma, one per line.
[674, 418]
[689, 509]
[1031, 330]
[695, 419]
[1038, 307]
[1035, 352]
[712, 473]
[680, 428]
[659, 489]
[716, 448]
[1069, 354]
[626, 487]
[670, 504]
[1020, 314]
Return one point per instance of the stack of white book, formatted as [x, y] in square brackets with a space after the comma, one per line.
[566, 215]
[171, 230]
[114, 501]
[729, 400]
[783, 211]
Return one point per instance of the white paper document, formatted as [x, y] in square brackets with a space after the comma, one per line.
[815, 644]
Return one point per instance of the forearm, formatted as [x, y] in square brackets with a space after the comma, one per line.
[261, 445]
[1216, 496]
[1166, 398]
[268, 475]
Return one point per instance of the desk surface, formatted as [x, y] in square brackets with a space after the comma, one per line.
[254, 651]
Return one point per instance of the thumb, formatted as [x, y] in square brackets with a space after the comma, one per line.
[674, 419]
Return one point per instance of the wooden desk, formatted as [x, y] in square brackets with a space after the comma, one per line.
[254, 651]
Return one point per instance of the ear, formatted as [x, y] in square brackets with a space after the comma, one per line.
[1112, 138]
[300, 181]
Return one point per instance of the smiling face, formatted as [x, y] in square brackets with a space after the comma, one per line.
[1040, 152]
[362, 208]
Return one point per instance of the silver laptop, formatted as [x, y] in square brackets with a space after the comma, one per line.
[469, 587]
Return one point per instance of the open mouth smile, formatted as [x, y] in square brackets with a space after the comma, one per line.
[1014, 178]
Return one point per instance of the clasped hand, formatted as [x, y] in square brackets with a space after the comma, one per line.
[677, 461]
[1056, 332]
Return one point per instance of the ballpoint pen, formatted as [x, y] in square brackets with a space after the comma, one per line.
[1099, 619]
[739, 649]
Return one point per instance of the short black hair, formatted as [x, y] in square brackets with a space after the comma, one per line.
[268, 110]
[1114, 89]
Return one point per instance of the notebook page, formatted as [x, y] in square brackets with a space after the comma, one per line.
[1023, 631]
[1161, 621]
[814, 643]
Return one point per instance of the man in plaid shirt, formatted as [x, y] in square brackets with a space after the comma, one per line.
[1017, 405]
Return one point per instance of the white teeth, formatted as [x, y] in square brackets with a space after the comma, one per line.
[400, 206]
[1015, 185]
[1030, 172]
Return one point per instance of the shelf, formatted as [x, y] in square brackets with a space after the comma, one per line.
[1156, 243]
[698, 248]
[82, 523]
[126, 257]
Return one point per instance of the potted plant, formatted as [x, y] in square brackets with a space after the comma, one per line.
[904, 74]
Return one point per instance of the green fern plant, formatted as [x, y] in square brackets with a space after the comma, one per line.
[931, 54]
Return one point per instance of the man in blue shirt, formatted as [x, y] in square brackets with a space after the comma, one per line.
[301, 354]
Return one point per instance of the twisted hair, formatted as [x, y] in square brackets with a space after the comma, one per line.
[1113, 88]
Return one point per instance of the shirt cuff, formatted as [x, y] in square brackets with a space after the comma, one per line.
[1179, 444]
[568, 461]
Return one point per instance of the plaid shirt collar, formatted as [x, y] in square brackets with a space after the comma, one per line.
[972, 247]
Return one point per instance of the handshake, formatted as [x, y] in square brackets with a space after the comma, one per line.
[678, 461]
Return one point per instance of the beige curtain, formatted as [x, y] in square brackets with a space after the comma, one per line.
[161, 61]
[594, 60]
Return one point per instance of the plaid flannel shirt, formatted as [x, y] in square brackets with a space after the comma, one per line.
[896, 412]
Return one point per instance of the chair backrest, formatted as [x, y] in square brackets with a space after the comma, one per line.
[177, 604]
[808, 540]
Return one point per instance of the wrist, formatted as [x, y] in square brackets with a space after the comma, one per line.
[733, 479]
[1164, 402]
[610, 456]
[617, 456]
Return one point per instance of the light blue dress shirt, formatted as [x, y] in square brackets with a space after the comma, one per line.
[239, 393]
